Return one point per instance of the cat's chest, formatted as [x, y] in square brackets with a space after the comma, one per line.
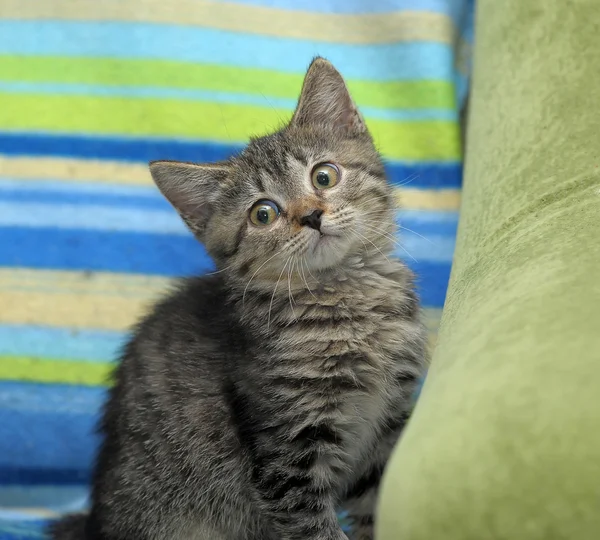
[334, 360]
[362, 351]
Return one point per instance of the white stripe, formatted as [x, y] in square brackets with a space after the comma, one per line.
[91, 217]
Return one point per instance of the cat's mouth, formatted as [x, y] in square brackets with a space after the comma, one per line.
[326, 249]
[325, 240]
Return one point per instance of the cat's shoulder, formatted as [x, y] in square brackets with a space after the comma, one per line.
[184, 344]
[199, 297]
[194, 309]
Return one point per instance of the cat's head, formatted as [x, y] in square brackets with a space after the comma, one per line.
[312, 194]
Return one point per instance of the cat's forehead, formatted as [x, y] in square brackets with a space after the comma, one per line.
[275, 163]
[277, 150]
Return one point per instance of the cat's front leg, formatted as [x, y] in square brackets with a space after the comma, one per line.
[361, 498]
[360, 503]
[296, 486]
[297, 507]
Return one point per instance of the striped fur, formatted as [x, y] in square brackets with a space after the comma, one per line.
[252, 404]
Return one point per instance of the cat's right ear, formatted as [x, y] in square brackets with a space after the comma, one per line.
[191, 188]
[325, 100]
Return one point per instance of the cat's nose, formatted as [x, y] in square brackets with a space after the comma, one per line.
[312, 220]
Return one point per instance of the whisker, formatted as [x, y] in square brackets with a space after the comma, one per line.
[311, 274]
[390, 237]
[417, 234]
[218, 271]
[382, 232]
[374, 245]
[363, 242]
[409, 179]
[373, 199]
[270, 103]
[284, 248]
[252, 277]
[290, 295]
[274, 291]
[302, 262]
[224, 121]
[375, 212]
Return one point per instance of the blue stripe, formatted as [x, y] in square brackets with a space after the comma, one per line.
[60, 343]
[113, 148]
[56, 192]
[406, 115]
[102, 251]
[424, 235]
[385, 62]
[48, 426]
[429, 221]
[414, 175]
[21, 531]
[57, 497]
[148, 254]
[431, 248]
[40, 398]
[37, 476]
[89, 192]
[432, 282]
[92, 217]
[125, 215]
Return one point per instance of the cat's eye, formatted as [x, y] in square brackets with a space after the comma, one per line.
[264, 213]
[325, 176]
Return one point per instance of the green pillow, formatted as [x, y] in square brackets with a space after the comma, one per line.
[505, 440]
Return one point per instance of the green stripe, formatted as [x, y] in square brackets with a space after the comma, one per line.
[54, 371]
[226, 123]
[393, 95]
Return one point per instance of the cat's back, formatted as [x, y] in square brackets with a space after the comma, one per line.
[164, 423]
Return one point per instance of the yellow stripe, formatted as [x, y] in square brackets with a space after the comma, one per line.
[134, 174]
[36, 512]
[76, 299]
[428, 199]
[328, 27]
[53, 371]
[139, 286]
[76, 310]
[80, 300]
[75, 170]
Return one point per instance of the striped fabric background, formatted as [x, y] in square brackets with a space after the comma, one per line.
[91, 91]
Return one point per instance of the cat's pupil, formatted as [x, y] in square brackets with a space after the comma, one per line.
[323, 178]
[262, 215]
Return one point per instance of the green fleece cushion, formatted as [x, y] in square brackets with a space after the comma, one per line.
[505, 440]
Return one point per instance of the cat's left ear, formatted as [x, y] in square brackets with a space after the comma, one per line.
[191, 188]
[325, 100]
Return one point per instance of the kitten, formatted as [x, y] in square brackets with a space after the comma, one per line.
[254, 403]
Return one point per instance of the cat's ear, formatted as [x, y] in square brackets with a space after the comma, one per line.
[325, 100]
[191, 188]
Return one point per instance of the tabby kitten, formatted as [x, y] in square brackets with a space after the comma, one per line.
[254, 403]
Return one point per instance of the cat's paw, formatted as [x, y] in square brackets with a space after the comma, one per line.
[364, 533]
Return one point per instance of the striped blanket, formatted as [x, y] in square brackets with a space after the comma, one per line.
[91, 91]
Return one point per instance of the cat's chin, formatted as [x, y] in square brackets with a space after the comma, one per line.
[327, 251]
